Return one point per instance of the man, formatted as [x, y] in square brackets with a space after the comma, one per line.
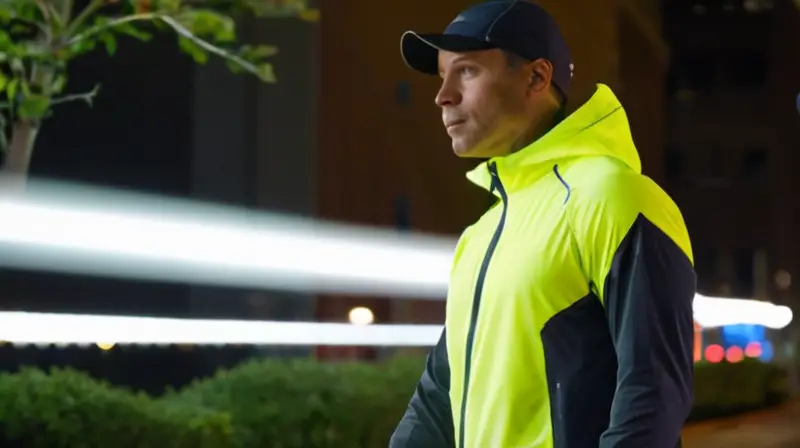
[569, 312]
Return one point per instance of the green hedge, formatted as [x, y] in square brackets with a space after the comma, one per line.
[725, 389]
[69, 409]
[279, 404]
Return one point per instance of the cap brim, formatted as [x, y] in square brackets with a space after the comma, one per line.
[421, 51]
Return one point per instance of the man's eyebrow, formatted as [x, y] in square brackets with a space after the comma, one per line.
[459, 58]
[462, 57]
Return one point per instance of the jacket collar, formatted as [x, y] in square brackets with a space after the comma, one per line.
[598, 128]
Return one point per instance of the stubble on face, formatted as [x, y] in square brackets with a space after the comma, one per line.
[483, 102]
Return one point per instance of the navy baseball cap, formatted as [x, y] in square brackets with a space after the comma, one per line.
[517, 26]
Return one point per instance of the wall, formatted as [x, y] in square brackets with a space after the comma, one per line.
[784, 91]
[642, 73]
[255, 146]
[729, 215]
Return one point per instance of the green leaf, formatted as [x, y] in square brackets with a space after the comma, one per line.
[258, 52]
[28, 11]
[266, 73]
[11, 89]
[25, 87]
[169, 6]
[199, 55]
[5, 39]
[208, 24]
[58, 85]
[129, 29]
[3, 81]
[234, 67]
[81, 47]
[110, 42]
[17, 65]
[33, 107]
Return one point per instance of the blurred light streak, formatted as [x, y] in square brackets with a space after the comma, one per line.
[713, 312]
[45, 328]
[80, 230]
[107, 331]
[66, 228]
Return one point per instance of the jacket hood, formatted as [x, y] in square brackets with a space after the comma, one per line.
[598, 128]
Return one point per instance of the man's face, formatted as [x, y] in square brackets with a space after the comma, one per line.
[484, 101]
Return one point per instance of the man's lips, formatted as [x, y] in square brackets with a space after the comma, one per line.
[451, 124]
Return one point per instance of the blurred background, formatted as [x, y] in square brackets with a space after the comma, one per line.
[348, 134]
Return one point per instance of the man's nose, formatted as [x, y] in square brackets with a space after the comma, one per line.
[449, 94]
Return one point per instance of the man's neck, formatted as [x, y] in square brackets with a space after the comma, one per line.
[539, 129]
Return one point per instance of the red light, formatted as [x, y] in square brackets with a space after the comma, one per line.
[714, 353]
[753, 350]
[734, 355]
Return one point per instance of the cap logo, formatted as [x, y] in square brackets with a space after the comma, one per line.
[571, 70]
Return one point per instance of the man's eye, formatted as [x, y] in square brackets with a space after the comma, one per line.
[468, 71]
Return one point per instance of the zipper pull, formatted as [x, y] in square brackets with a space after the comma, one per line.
[495, 177]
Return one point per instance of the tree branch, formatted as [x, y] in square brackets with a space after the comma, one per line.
[87, 12]
[88, 97]
[178, 28]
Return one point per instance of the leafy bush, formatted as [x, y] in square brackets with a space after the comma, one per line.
[280, 404]
[725, 389]
[66, 408]
[304, 403]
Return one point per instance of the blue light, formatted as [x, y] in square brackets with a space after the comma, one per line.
[766, 352]
[742, 334]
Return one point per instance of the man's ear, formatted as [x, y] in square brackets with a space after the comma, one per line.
[541, 74]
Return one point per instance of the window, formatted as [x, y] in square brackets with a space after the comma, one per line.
[744, 273]
[748, 69]
[695, 72]
[754, 167]
[674, 165]
[709, 169]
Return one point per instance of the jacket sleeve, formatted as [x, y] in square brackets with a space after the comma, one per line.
[636, 251]
[428, 421]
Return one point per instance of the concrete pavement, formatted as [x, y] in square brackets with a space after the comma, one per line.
[775, 428]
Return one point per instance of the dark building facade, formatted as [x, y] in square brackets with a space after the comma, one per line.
[732, 140]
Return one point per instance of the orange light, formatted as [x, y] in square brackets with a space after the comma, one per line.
[714, 353]
[753, 350]
[698, 343]
[734, 355]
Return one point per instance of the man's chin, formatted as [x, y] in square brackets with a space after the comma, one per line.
[467, 151]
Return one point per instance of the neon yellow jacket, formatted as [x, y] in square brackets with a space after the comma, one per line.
[569, 312]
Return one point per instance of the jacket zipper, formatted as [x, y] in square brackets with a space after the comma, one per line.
[476, 300]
